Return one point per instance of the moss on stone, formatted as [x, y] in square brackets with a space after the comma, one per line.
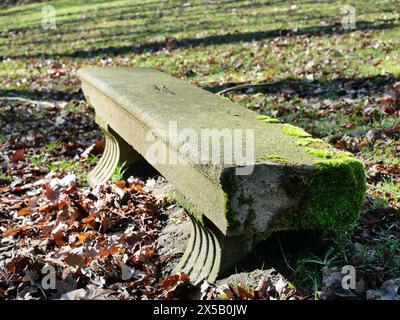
[337, 194]
[320, 153]
[334, 200]
[229, 186]
[231, 214]
[277, 159]
[285, 220]
[329, 153]
[333, 197]
[249, 227]
[243, 199]
[188, 205]
[343, 154]
[294, 131]
[321, 149]
[266, 119]
[312, 143]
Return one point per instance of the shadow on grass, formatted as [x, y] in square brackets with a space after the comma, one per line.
[42, 95]
[362, 86]
[300, 255]
[150, 11]
[312, 31]
[282, 252]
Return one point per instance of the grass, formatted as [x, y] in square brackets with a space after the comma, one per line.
[36, 160]
[385, 254]
[93, 159]
[331, 79]
[5, 176]
[307, 273]
[63, 165]
[390, 190]
[118, 173]
[52, 146]
[378, 258]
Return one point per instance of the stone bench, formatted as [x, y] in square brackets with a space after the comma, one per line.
[240, 175]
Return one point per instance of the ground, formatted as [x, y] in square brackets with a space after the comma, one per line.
[338, 84]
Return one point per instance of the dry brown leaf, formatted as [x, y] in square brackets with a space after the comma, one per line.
[59, 238]
[75, 260]
[18, 263]
[13, 231]
[89, 219]
[24, 211]
[51, 194]
[18, 155]
[171, 281]
[121, 184]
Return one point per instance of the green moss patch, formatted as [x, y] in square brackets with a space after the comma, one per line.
[329, 153]
[337, 194]
[277, 159]
[312, 143]
[294, 131]
[266, 119]
[321, 149]
[230, 187]
[188, 205]
[243, 199]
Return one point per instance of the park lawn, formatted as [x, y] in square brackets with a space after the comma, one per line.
[326, 79]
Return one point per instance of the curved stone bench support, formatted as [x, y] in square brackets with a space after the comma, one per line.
[209, 253]
[116, 152]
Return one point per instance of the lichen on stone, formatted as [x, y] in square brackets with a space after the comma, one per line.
[266, 119]
[294, 131]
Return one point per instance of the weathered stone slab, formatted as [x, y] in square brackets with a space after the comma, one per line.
[290, 181]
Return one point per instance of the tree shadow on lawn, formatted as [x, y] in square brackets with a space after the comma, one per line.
[362, 86]
[43, 95]
[312, 31]
[153, 11]
[358, 87]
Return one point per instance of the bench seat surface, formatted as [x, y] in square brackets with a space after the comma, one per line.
[155, 99]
